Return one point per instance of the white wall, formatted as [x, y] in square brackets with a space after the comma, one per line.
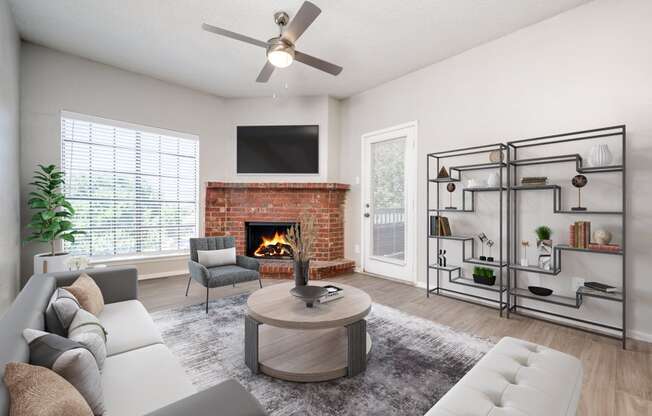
[9, 151]
[589, 67]
[53, 81]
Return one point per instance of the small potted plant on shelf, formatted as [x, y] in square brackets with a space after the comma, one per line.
[51, 220]
[301, 237]
[544, 245]
[484, 276]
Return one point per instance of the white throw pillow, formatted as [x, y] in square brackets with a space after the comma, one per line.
[213, 258]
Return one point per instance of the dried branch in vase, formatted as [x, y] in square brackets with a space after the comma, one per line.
[301, 236]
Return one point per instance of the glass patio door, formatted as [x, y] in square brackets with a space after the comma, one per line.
[388, 203]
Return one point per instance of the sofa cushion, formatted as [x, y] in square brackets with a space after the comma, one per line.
[128, 327]
[142, 380]
[219, 276]
[516, 377]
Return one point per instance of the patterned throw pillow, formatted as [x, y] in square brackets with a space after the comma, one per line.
[70, 360]
[88, 331]
[60, 312]
[88, 294]
[35, 390]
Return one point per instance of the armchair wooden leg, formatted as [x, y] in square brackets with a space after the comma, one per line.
[188, 287]
[206, 300]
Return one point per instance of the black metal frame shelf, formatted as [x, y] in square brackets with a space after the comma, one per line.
[575, 157]
[571, 302]
[515, 293]
[556, 201]
[451, 237]
[455, 173]
[535, 269]
[487, 263]
[566, 247]
[592, 293]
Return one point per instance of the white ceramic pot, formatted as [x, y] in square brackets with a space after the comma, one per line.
[600, 155]
[493, 181]
[45, 263]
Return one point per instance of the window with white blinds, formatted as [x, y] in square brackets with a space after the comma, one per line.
[134, 189]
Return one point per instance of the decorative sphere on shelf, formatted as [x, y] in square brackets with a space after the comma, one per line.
[602, 236]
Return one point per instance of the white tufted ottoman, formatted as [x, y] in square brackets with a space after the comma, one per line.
[516, 378]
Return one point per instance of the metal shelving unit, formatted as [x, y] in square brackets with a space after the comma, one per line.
[515, 294]
[496, 294]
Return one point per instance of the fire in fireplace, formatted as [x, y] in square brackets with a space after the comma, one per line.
[267, 240]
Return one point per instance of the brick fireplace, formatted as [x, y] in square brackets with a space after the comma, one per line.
[230, 207]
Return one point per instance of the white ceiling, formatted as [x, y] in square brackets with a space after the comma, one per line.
[374, 40]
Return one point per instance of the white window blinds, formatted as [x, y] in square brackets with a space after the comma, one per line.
[134, 189]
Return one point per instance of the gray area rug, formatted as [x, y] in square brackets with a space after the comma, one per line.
[413, 362]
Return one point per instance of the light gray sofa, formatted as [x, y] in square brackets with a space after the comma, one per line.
[141, 375]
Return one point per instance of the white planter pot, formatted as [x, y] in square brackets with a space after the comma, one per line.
[600, 155]
[45, 263]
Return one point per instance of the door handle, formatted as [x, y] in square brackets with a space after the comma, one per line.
[367, 215]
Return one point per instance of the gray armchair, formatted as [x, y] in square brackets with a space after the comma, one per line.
[245, 269]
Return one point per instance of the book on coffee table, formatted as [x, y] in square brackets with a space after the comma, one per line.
[334, 292]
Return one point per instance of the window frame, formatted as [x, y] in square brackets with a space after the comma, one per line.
[150, 130]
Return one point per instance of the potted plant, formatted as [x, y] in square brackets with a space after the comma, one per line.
[51, 220]
[544, 245]
[301, 237]
[484, 276]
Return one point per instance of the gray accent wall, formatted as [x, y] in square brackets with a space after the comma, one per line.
[9, 157]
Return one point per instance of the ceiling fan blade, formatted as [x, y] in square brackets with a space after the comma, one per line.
[233, 35]
[317, 63]
[304, 18]
[265, 73]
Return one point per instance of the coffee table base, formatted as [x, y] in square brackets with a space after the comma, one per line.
[306, 355]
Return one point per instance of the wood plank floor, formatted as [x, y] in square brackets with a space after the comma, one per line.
[616, 382]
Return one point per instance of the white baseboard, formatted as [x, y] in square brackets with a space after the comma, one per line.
[163, 274]
[639, 335]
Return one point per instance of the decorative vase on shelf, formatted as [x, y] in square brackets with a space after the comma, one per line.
[493, 181]
[301, 272]
[600, 156]
[545, 253]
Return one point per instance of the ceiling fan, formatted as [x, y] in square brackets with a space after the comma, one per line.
[281, 49]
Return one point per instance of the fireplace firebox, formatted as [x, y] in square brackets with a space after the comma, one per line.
[266, 240]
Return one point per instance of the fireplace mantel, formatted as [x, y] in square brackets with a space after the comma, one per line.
[230, 205]
[329, 186]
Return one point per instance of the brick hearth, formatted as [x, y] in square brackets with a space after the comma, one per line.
[229, 205]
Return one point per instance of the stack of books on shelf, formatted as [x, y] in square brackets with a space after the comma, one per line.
[611, 248]
[580, 234]
[534, 180]
[600, 287]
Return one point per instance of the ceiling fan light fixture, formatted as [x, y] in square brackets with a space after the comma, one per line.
[280, 53]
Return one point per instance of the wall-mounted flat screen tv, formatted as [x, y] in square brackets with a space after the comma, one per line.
[278, 149]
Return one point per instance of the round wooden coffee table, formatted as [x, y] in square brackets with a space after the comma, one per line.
[287, 340]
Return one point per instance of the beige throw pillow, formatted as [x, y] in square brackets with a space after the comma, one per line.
[88, 294]
[38, 391]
